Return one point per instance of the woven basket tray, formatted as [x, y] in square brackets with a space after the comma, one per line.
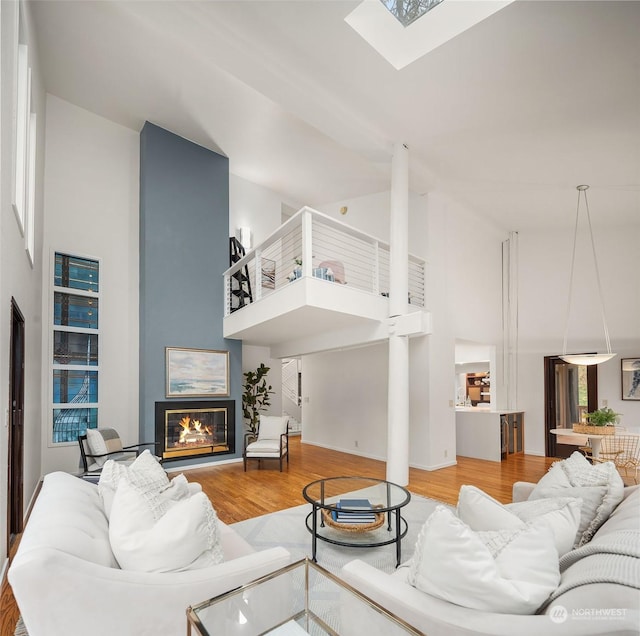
[594, 430]
[353, 527]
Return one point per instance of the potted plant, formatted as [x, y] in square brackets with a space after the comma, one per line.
[255, 397]
[599, 422]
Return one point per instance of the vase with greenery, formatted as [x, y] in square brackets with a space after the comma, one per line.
[603, 417]
[255, 397]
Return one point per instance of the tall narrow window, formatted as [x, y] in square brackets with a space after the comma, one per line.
[75, 358]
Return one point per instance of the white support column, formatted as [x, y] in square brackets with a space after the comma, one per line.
[398, 408]
[510, 322]
[399, 232]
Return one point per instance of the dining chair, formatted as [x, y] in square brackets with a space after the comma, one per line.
[624, 452]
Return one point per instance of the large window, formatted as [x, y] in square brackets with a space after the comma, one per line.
[75, 357]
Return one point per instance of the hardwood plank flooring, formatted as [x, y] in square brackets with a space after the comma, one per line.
[237, 495]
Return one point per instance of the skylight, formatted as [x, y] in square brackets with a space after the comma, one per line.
[400, 45]
[408, 11]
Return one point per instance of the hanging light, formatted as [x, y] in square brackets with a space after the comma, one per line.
[585, 358]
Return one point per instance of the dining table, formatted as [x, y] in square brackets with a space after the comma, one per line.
[595, 441]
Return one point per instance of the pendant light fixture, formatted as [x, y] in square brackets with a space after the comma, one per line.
[585, 358]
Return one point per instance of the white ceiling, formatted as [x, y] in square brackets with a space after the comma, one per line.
[508, 117]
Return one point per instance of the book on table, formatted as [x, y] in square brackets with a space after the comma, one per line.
[354, 511]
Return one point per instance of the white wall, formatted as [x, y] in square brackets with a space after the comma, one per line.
[543, 284]
[256, 207]
[91, 209]
[18, 279]
[344, 400]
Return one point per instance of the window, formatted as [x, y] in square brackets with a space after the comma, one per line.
[75, 357]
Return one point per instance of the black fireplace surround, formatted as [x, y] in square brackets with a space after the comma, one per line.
[186, 429]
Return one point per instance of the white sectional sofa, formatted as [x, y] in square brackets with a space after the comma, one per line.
[67, 582]
[596, 607]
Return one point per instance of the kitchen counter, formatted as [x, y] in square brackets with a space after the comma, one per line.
[489, 434]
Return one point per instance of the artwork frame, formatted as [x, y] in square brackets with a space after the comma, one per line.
[630, 378]
[268, 273]
[196, 372]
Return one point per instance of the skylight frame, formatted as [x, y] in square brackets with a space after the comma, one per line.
[401, 46]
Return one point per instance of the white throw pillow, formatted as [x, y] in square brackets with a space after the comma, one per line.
[186, 537]
[108, 482]
[599, 486]
[482, 512]
[148, 476]
[97, 446]
[509, 571]
[272, 426]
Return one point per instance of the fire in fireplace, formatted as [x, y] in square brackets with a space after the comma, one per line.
[185, 429]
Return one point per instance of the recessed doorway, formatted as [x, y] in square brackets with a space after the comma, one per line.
[16, 424]
[570, 390]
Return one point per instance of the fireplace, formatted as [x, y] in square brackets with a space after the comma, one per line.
[188, 429]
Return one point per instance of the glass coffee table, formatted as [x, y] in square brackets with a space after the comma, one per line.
[301, 598]
[358, 512]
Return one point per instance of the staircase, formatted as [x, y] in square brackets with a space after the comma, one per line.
[292, 399]
[240, 282]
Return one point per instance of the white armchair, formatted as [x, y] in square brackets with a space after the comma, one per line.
[272, 441]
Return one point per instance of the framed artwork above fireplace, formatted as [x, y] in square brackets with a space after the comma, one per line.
[197, 373]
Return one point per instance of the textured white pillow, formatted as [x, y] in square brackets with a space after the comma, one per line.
[272, 426]
[185, 537]
[509, 571]
[148, 476]
[599, 486]
[482, 512]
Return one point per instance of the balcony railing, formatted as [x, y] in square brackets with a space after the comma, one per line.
[311, 244]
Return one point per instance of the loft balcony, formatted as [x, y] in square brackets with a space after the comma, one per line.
[317, 284]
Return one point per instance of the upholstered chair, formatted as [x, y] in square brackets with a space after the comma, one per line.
[272, 441]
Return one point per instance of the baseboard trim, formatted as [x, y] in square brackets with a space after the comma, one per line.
[349, 451]
[381, 459]
[435, 466]
[221, 462]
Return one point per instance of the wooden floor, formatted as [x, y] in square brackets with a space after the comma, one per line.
[237, 495]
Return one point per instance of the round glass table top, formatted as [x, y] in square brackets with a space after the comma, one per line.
[383, 495]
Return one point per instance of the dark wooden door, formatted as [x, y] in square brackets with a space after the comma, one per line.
[16, 422]
[563, 382]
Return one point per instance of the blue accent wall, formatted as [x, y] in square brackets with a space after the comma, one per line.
[184, 249]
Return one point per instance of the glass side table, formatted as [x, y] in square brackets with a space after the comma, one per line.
[301, 598]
